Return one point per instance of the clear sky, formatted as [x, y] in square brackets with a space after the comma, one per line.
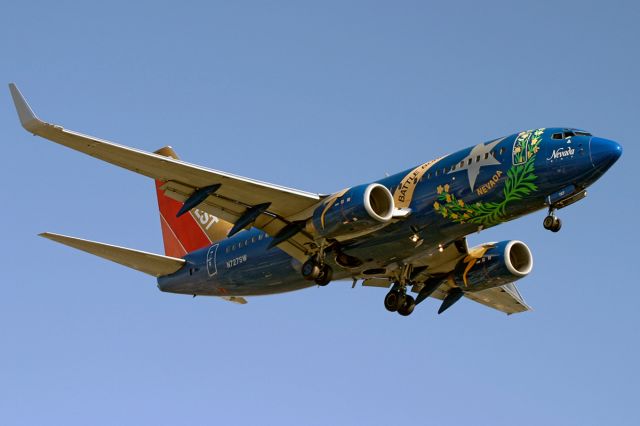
[317, 96]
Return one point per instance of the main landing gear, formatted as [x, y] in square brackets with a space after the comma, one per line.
[552, 222]
[316, 270]
[397, 300]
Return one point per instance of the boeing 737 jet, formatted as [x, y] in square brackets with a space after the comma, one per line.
[229, 236]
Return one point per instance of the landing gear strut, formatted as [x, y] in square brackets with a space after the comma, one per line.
[552, 222]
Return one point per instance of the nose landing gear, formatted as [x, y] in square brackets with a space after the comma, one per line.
[552, 222]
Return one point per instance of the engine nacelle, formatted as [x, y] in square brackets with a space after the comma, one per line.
[355, 211]
[493, 264]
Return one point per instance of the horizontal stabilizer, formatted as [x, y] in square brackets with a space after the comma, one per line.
[149, 263]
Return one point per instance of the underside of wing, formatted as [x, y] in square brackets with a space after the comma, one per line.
[437, 266]
[233, 197]
[506, 299]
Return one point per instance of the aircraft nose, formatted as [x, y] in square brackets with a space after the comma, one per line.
[604, 153]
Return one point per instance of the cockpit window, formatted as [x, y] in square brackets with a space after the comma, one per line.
[569, 133]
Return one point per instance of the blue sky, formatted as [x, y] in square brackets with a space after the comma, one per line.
[317, 96]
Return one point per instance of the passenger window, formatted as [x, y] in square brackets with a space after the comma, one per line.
[233, 247]
[478, 159]
[501, 150]
[437, 172]
[486, 155]
[260, 236]
[429, 176]
[469, 162]
[462, 163]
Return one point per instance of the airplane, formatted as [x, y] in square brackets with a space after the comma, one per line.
[229, 236]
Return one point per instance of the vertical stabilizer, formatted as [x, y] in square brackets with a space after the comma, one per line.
[191, 231]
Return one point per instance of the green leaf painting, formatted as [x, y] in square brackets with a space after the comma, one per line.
[519, 183]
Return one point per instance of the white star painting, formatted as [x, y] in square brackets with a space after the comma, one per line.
[476, 159]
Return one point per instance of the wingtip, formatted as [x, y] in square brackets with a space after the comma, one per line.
[52, 236]
[26, 115]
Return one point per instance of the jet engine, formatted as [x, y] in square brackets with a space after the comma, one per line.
[492, 265]
[358, 210]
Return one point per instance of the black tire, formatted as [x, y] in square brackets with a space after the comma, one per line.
[326, 274]
[391, 301]
[557, 225]
[549, 222]
[408, 306]
[310, 270]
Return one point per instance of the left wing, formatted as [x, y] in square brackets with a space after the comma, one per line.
[234, 196]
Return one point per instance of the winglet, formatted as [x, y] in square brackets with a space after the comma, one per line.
[27, 118]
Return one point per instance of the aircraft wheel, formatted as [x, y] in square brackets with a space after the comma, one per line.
[310, 270]
[326, 273]
[552, 223]
[393, 300]
[548, 222]
[408, 306]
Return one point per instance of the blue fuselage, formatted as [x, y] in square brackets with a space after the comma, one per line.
[449, 198]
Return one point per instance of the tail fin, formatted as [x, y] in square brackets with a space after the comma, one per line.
[191, 231]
